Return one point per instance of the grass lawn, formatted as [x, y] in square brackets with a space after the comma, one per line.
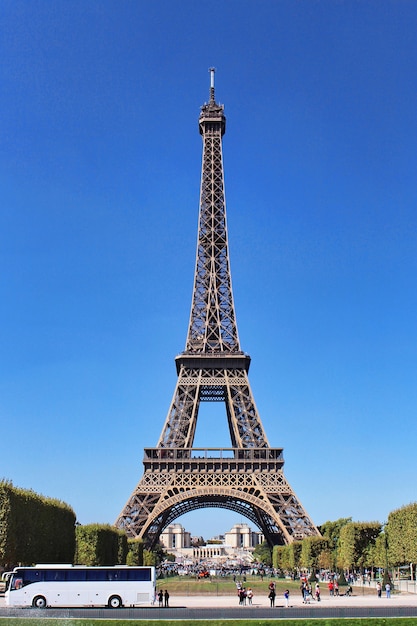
[184, 586]
[17, 621]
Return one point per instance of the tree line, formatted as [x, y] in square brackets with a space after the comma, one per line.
[36, 529]
[348, 545]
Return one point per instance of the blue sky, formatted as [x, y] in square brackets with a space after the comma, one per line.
[100, 160]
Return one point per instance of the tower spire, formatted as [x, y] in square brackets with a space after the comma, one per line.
[212, 71]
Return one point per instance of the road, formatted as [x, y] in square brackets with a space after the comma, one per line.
[227, 607]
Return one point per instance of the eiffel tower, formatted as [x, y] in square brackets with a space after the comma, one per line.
[248, 477]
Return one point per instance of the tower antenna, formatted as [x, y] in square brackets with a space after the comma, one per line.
[212, 71]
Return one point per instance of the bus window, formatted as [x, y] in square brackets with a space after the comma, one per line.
[75, 575]
[117, 574]
[139, 574]
[29, 576]
[54, 575]
[96, 574]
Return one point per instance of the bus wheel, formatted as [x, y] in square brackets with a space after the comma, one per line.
[39, 602]
[115, 602]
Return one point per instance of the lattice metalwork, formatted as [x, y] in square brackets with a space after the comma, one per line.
[228, 385]
[212, 326]
[248, 481]
[247, 478]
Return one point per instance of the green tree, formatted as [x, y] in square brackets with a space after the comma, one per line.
[295, 555]
[263, 553]
[149, 558]
[287, 558]
[155, 556]
[326, 559]
[331, 532]
[311, 548]
[401, 531]
[356, 544]
[281, 558]
[378, 552]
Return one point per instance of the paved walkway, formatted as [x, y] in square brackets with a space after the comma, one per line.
[214, 607]
[356, 600]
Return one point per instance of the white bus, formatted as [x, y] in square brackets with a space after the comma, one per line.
[78, 585]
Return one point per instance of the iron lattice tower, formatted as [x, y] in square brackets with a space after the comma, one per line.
[248, 477]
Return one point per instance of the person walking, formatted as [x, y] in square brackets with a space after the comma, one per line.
[271, 596]
[388, 590]
[166, 598]
[317, 592]
[249, 595]
[379, 589]
[160, 598]
[307, 594]
[241, 594]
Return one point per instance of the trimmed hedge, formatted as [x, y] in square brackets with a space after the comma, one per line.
[135, 553]
[34, 528]
[100, 544]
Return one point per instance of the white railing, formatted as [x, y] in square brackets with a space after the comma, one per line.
[403, 586]
[406, 586]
